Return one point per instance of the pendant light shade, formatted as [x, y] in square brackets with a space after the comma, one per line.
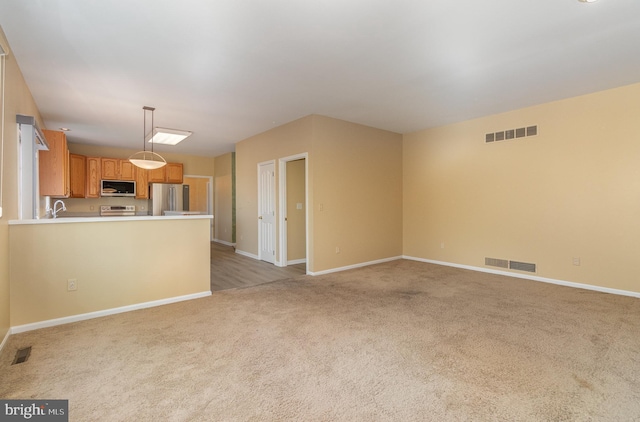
[147, 160]
[144, 159]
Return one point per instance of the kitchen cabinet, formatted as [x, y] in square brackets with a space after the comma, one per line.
[117, 169]
[94, 175]
[54, 166]
[77, 175]
[171, 173]
[142, 184]
[127, 170]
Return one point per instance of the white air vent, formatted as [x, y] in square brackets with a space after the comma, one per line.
[522, 266]
[495, 262]
[503, 135]
[512, 265]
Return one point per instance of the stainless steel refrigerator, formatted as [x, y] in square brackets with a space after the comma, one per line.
[168, 199]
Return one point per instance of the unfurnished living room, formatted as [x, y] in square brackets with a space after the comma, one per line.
[320, 211]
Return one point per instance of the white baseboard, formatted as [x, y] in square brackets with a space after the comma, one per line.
[297, 261]
[247, 254]
[224, 242]
[4, 340]
[351, 267]
[81, 317]
[529, 277]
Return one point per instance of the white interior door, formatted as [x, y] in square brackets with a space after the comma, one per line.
[267, 212]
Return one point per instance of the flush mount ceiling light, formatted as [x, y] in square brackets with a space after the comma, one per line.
[144, 159]
[587, 1]
[169, 136]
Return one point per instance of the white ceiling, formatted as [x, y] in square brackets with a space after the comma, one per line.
[229, 69]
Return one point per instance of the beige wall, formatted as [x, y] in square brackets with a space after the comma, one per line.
[18, 100]
[223, 206]
[115, 264]
[296, 221]
[355, 189]
[571, 191]
[357, 198]
[283, 141]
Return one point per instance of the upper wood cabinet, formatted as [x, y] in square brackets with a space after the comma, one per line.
[142, 184]
[174, 173]
[54, 166]
[117, 169]
[94, 175]
[77, 175]
[127, 170]
[171, 173]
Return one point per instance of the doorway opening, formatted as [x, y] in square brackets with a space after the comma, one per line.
[200, 195]
[294, 210]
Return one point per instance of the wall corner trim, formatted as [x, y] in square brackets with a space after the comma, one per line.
[530, 277]
[4, 340]
[97, 314]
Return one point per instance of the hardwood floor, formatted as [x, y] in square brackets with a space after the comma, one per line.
[230, 270]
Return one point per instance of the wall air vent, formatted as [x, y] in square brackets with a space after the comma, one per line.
[503, 135]
[522, 266]
[495, 262]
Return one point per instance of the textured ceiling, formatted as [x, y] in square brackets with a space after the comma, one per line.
[230, 69]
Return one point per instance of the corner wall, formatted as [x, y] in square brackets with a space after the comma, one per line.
[572, 191]
[355, 189]
[18, 100]
[357, 199]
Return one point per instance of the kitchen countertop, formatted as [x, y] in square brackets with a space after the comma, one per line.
[63, 220]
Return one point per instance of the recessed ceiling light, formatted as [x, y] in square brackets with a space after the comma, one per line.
[169, 136]
[587, 1]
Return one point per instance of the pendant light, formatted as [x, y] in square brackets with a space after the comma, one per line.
[144, 159]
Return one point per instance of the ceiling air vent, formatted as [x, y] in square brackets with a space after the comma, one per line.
[495, 262]
[502, 135]
[522, 266]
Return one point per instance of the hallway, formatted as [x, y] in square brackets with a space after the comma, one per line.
[230, 270]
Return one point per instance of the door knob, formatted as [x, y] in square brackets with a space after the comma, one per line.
[260, 218]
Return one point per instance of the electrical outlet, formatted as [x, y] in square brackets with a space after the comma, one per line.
[576, 261]
[72, 284]
[337, 249]
[441, 245]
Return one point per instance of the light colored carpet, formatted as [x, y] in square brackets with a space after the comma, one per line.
[401, 341]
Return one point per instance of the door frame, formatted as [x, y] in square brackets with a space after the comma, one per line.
[275, 217]
[210, 201]
[282, 214]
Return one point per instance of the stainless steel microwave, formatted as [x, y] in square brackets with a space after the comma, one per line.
[117, 188]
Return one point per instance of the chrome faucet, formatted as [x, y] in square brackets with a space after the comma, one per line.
[55, 210]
